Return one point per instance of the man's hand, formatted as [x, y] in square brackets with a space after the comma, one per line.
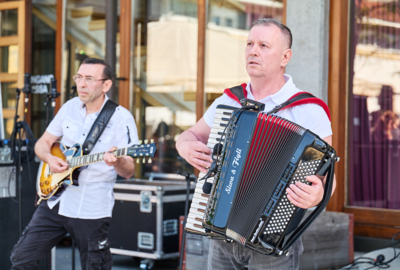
[305, 196]
[56, 164]
[109, 157]
[124, 166]
[197, 154]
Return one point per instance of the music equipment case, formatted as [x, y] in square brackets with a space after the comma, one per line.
[145, 221]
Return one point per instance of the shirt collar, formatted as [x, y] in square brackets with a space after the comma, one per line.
[288, 90]
[82, 107]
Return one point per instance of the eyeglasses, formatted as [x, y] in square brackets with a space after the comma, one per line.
[88, 80]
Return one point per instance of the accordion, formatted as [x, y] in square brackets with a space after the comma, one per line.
[261, 156]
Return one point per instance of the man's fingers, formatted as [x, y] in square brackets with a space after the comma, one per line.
[314, 179]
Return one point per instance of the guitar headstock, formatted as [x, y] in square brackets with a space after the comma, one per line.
[142, 150]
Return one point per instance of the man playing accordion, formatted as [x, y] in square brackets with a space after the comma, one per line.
[267, 53]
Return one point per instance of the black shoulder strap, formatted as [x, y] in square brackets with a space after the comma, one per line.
[98, 126]
[238, 92]
[291, 100]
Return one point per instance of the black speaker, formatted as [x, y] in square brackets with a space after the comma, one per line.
[17, 205]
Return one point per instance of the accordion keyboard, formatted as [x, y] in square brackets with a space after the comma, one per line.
[194, 222]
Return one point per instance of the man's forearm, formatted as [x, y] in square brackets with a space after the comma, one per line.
[42, 150]
[185, 137]
[125, 167]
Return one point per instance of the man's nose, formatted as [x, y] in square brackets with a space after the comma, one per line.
[81, 83]
[254, 50]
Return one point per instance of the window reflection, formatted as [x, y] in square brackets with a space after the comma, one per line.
[165, 70]
[374, 179]
[227, 31]
[166, 64]
[8, 22]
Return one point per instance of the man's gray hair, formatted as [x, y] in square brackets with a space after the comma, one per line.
[269, 21]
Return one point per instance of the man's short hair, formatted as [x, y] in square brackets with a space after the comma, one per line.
[285, 30]
[107, 71]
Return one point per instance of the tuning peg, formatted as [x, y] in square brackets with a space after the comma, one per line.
[150, 161]
[146, 141]
[152, 141]
[137, 161]
[140, 141]
[144, 160]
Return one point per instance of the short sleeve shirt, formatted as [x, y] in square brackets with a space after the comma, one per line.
[309, 116]
[93, 198]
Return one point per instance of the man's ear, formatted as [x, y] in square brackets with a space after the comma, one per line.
[107, 85]
[286, 55]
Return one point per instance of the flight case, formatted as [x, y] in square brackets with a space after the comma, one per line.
[145, 221]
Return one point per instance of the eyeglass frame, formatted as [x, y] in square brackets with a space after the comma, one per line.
[85, 78]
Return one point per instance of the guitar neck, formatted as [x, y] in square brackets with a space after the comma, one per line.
[93, 158]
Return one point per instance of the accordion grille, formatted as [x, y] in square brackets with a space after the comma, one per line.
[271, 149]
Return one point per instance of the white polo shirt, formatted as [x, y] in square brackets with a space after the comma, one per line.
[94, 197]
[309, 116]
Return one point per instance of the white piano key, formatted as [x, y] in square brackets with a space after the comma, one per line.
[221, 119]
[194, 221]
[195, 214]
[198, 206]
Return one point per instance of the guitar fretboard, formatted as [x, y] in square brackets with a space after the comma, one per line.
[86, 160]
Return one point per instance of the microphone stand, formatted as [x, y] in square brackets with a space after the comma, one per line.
[188, 179]
[51, 101]
[16, 145]
[72, 94]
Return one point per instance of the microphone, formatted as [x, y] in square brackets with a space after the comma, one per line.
[27, 83]
[217, 151]
[380, 258]
[207, 187]
[53, 92]
[27, 89]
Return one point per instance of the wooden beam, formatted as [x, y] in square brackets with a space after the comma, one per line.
[59, 50]
[8, 41]
[125, 35]
[371, 230]
[10, 5]
[284, 12]
[337, 95]
[21, 55]
[28, 49]
[97, 25]
[201, 47]
[80, 12]
[8, 77]
[372, 52]
[366, 215]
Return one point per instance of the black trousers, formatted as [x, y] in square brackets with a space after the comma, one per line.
[47, 228]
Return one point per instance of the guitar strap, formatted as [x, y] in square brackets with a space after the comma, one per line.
[98, 126]
[239, 94]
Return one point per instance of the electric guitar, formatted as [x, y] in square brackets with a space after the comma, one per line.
[49, 184]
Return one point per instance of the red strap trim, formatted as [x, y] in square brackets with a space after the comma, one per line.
[313, 100]
[234, 97]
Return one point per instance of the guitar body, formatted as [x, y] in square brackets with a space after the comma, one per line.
[48, 184]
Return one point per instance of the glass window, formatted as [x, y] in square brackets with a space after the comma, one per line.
[8, 22]
[85, 33]
[227, 32]
[165, 71]
[43, 55]
[9, 101]
[9, 59]
[374, 169]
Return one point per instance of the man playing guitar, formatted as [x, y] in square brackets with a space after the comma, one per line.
[83, 210]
